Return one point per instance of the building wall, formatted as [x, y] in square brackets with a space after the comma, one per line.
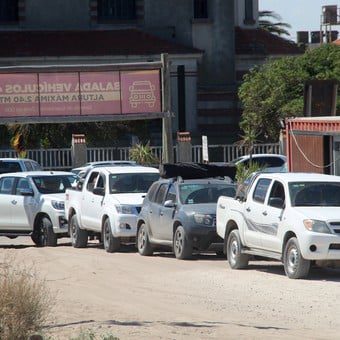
[56, 14]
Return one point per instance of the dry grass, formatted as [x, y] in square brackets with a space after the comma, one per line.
[25, 301]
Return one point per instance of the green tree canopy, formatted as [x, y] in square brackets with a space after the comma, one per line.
[275, 90]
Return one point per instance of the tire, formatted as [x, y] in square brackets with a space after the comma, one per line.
[50, 239]
[111, 243]
[143, 244]
[37, 239]
[79, 237]
[236, 259]
[181, 244]
[296, 267]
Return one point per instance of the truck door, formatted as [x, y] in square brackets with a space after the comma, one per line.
[97, 207]
[87, 202]
[7, 200]
[274, 209]
[254, 213]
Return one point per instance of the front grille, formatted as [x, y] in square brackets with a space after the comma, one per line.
[337, 231]
[335, 224]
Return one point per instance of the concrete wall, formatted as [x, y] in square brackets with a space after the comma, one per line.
[56, 14]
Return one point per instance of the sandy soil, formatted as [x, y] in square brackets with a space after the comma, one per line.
[159, 297]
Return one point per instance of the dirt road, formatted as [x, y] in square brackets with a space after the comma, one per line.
[159, 297]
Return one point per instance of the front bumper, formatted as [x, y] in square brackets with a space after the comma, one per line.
[59, 223]
[203, 236]
[124, 225]
[317, 246]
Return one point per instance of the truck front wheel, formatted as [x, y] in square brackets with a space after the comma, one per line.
[182, 245]
[111, 243]
[43, 234]
[79, 237]
[236, 259]
[296, 267]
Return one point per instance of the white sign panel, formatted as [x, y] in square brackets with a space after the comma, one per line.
[205, 153]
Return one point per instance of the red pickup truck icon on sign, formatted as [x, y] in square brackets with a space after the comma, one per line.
[142, 92]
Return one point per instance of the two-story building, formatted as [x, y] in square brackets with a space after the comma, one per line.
[211, 44]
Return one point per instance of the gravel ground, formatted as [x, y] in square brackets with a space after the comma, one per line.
[159, 297]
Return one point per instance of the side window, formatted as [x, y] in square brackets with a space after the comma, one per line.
[28, 166]
[152, 192]
[277, 191]
[261, 189]
[171, 195]
[161, 193]
[101, 182]
[22, 184]
[200, 9]
[6, 185]
[36, 166]
[92, 181]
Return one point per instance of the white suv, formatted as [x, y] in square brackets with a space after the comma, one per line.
[32, 203]
[18, 165]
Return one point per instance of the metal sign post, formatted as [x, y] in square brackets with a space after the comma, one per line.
[167, 139]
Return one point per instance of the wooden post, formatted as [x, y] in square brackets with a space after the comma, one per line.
[167, 139]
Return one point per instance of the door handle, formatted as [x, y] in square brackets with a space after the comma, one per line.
[248, 209]
[150, 211]
[161, 213]
[264, 213]
[221, 206]
[14, 202]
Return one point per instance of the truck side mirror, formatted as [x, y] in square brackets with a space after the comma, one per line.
[99, 191]
[26, 192]
[276, 202]
[169, 204]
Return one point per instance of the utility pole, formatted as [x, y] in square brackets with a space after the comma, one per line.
[167, 140]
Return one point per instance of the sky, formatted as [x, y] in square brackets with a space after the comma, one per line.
[302, 15]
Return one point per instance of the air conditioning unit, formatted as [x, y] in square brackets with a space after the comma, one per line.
[316, 37]
[330, 14]
[302, 37]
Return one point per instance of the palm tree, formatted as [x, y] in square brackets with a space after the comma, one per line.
[266, 23]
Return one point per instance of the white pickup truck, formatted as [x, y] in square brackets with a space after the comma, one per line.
[107, 205]
[32, 203]
[291, 217]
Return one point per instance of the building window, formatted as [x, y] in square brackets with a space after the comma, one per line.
[109, 10]
[200, 9]
[249, 12]
[9, 11]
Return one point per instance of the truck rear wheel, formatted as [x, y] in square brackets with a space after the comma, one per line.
[296, 267]
[236, 259]
[79, 237]
[111, 243]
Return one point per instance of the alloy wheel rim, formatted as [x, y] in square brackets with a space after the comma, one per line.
[292, 259]
[178, 242]
[233, 249]
[142, 238]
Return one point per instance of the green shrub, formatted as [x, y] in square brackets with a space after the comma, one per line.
[142, 154]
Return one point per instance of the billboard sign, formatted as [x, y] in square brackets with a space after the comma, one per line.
[79, 94]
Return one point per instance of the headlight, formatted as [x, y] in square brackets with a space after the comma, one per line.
[126, 209]
[58, 205]
[204, 219]
[316, 226]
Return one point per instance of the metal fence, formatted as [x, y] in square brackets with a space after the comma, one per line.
[62, 159]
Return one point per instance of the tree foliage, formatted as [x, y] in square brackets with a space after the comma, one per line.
[266, 22]
[275, 90]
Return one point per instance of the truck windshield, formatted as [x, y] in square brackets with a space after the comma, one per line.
[204, 193]
[304, 194]
[53, 184]
[131, 182]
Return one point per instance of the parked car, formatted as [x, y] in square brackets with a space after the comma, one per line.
[108, 204]
[83, 170]
[32, 203]
[269, 162]
[181, 214]
[18, 165]
[291, 217]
